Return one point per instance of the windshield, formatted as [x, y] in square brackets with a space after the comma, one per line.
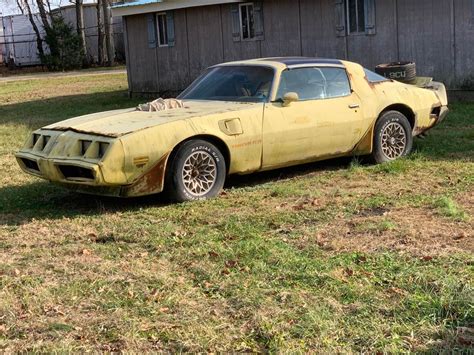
[232, 83]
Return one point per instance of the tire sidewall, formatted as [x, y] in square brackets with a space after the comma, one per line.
[386, 119]
[178, 191]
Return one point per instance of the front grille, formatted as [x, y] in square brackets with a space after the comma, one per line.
[30, 164]
[76, 172]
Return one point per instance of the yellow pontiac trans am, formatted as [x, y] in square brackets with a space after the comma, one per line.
[238, 118]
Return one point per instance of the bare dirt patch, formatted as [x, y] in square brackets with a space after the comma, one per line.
[408, 230]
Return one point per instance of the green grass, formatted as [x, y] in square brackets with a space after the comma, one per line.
[337, 256]
[450, 208]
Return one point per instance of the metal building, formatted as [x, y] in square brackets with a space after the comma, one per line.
[19, 40]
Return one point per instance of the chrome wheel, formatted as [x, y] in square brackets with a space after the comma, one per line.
[199, 173]
[394, 141]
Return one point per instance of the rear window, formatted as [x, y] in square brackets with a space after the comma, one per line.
[374, 77]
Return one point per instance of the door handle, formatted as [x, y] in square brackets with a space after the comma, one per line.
[354, 106]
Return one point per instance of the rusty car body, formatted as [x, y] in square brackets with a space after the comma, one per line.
[129, 153]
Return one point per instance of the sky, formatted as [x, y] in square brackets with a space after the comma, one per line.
[9, 7]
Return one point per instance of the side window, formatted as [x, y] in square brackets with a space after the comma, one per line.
[247, 21]
[247, 24]
[355, 17]
[160, 28]
[315, 83]
[374, 77]
[162, 24]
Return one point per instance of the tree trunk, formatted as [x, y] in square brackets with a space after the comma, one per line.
[100, 34]
[39, 41]
[43, 14]
[109, 39]
[20, 7]
[49, 7]
[80, 30]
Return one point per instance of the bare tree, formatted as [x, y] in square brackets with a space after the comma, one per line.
[49, 6]
[100, 34]
[80, 28]
[25, 7]
[43, 14]
[109, 39]
[18, 3]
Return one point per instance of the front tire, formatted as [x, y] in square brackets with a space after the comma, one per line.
[393, 137]
[197, 171]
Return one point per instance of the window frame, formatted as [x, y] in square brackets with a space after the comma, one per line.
[246, 5]
[348, 18]
[277, 88]
[159, 30]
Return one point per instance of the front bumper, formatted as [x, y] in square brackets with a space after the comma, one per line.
[86, 177]
[61, 170]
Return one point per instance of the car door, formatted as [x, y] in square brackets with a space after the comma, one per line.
[325, 121]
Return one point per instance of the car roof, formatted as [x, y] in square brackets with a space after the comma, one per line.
[288, 62]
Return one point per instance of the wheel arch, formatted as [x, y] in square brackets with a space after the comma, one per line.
[218, 142]
[365, 145]
[404, 110]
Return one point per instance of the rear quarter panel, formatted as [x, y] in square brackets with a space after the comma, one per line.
[377, 97]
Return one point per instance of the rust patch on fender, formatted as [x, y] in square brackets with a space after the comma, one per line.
[149, 183]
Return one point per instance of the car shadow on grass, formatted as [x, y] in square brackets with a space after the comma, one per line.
[19, 204]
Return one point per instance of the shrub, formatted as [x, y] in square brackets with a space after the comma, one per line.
[64, 44]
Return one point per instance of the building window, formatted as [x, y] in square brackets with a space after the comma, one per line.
[162, 23]
[247, 21]
[355, 10]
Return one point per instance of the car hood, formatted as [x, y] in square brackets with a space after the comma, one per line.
[121, 122]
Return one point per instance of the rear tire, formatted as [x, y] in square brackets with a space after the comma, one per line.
[197, 171]
[393, 137]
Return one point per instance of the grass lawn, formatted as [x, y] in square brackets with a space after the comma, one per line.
[336, 256]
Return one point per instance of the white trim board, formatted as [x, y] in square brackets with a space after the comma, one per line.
[164, 5]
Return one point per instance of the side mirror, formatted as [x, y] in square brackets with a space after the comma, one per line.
[290, 97]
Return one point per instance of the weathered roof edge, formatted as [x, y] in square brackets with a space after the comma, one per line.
[146, 6]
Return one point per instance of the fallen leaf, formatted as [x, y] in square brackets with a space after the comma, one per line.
[231, 263]
[213, 255]
[316, 203]
[92, 236]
